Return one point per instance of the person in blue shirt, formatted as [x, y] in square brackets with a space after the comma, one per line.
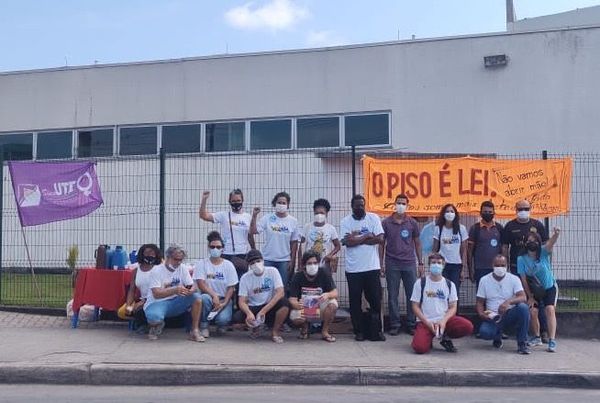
[535, 269]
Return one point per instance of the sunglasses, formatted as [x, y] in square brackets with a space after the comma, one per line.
[523, 208]
[215, 247]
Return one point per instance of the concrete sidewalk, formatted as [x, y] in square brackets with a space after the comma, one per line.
[38, 349]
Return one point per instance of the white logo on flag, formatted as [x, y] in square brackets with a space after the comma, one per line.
[29, 195]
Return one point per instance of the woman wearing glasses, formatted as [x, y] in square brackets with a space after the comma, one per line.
[216, 278]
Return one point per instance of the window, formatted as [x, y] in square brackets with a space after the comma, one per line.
[95, 143]
[137, 140]
[225, 136]
[271, 134]
[318, 132]
[52, 145]
[181, 139]
[364, 130]
[17, 146]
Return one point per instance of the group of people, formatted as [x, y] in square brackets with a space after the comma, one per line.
[282, 285]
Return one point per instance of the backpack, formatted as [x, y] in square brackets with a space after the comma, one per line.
[424, 283]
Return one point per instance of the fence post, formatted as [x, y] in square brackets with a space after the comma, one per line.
[353, 170]
[546, 219]
[161, 202]
[1, 212]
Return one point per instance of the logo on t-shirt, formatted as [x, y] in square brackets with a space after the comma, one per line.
[280, 228]
[239, 223]
[494, 242]
[439, 294]
[404, 233]
[215, 276]
[455, 238]
[266, 286]
[175, 281]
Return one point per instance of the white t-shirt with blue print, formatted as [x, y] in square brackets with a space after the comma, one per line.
[161, 277]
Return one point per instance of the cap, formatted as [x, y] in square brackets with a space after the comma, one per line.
[253, 255]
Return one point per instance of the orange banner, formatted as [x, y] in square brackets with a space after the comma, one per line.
[466, 183]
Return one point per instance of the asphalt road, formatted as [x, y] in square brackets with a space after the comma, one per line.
[289, 394]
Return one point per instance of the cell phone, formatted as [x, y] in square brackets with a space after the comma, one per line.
[189, 287]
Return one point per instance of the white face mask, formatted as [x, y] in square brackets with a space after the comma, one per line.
[523, 215]
[312, 269]
[500, 271]
[449, 216]
[320, 218]
[281, 208]
[257, 268]
[215, 252]
[401, 208]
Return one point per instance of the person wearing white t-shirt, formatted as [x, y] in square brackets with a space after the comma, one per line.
[322, 237]
[281, 236]
[216, 278]
[501, 304]
[261, 297]
[234, 229]
[434, 301]
[361, 234]
[450, 240]
[172, 293]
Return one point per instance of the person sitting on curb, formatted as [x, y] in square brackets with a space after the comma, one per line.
[313, 297]
[172, 293]
[261, 297]
[501, 305]
[434, 304]
[216, 278]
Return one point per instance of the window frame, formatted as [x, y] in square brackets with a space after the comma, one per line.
[292, 145]
[118, 139]
[163, 125]
[91, 129]
[378, 145]
[245, 136]
[45, 132]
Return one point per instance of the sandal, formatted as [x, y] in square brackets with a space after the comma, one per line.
[255, 332]
[329, 338]
[196, 336]
[304, 334]
[277, 339]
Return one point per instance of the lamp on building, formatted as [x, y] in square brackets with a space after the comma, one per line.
[495, 61]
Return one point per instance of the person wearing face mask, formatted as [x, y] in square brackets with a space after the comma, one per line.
[450, 240]
[361, 234]
[535, 266]
[322, 237]
[485, 243]
[434, 302]
[282, 234]
[261, 298]
[514, 239]
[400, 254]
[216, 278]
[234, 227]
[501, 306]
[313, 284]
[172, 293]
[148, 256]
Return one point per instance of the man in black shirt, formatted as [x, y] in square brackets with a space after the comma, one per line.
[313, 297]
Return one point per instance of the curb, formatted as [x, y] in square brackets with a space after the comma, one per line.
[188, 375]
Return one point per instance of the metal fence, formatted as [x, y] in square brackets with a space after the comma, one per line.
[156, 199]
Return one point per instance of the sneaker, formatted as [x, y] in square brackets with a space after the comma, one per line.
[504, 336]
[205, 333]
[359, 337]
[395, 331]
[544, 337]
[448, 346]
[497, 343]
[551, 346]
[534, 341]
[155, 331]
[523, 349]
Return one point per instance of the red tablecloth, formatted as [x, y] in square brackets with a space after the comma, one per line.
[106, 289]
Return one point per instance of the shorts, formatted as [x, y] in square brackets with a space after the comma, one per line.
[269, 317]
[296, 314]
[551, 296]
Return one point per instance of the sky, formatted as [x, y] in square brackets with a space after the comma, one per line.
[53, 33]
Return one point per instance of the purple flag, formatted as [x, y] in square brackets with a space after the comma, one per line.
[54, 191]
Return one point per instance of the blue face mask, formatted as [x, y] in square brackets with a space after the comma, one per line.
[436, 268]
[215, 252]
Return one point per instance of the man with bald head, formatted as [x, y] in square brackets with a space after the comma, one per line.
[514, 236]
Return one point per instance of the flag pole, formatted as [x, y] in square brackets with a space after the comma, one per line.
[35, 283]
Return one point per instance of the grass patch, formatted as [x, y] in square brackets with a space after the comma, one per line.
[589, 299]
[18, 289]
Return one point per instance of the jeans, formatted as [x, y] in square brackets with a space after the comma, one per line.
[367, 282]
[157, 311]
[222, 319]
[394, 272]
[282, 268]
[516, 317]
[452, 273]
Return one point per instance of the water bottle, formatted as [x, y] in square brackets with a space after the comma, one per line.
[119, 258]
[133, 256]
[108, 263]
[100, 255]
